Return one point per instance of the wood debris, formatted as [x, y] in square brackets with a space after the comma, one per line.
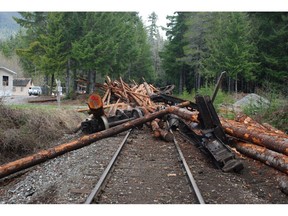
[129, 95]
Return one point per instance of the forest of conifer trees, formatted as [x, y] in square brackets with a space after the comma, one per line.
[251, 47]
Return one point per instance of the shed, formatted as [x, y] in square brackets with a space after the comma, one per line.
[6, 81]
[21, 86]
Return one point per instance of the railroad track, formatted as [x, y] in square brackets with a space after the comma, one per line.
[146, 170]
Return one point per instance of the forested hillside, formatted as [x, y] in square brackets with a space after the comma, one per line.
[8, 26]
[251, 47]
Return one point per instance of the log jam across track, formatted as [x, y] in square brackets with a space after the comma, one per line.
[147, 171]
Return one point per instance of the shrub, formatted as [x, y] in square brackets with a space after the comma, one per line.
[24, 131]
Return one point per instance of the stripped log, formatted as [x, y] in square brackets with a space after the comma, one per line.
[148, 90]
[271, 158]
[158, 132]
[271, 141]
[83, 141]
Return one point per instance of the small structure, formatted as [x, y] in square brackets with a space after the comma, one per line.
[6, 81]
[21, 86]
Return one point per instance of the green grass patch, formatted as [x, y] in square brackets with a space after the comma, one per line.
[221, 97]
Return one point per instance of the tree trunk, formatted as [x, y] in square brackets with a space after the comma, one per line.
[229, 85]
[46, 81]
[198, 81]
[89, 91]
[68, 78]
[52, 83]
[181, 82]
[236, 84]
[74, 80]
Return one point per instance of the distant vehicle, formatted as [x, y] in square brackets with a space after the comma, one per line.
[35, 90]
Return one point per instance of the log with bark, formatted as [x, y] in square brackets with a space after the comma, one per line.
[159, 132]
[53, 152]
[42, 100]
[268, 139]
[269, 157]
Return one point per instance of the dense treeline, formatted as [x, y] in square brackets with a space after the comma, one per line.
[251, 47]
[86, 45]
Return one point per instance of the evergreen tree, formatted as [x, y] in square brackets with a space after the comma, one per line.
[232, 48]
[198, 26]
[175, 68]
[271, 30]
[156, 42]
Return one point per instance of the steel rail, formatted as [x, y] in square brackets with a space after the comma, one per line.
[104, 175]
[188, 171]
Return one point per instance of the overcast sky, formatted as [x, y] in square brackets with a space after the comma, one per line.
[162, 21]
[145, 7]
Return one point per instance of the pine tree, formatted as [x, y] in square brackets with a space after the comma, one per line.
[232, 48]
[176, 70]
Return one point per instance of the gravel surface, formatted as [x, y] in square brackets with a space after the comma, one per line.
[63, 180]
[147, 172]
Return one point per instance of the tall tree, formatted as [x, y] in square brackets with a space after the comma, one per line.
[156, 42]
[272, 33]
[175, 68]
[232, 48]
[196, 51]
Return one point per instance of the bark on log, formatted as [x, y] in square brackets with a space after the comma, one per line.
[271, 141]
[158, 132]
[265, 128]
[271, 158]
[53, 152]
[42, 100]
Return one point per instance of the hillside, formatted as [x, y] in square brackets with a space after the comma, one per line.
[8, 26]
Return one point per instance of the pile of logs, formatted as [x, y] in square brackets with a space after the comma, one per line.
[120, 94]
[259, 141]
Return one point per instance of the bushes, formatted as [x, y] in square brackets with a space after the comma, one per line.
[24, 131]
[275, 114]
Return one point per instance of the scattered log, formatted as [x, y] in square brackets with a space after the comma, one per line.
[147, 87]
[53, 152]
[263, 127]
[271, 158]
[158, 132]
[271, 141]
[43, 100]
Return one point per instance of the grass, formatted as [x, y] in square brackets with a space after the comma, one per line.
[276, 114]
[27, 128]
[221, 97]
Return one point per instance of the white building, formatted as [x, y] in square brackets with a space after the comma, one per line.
[6, 81]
